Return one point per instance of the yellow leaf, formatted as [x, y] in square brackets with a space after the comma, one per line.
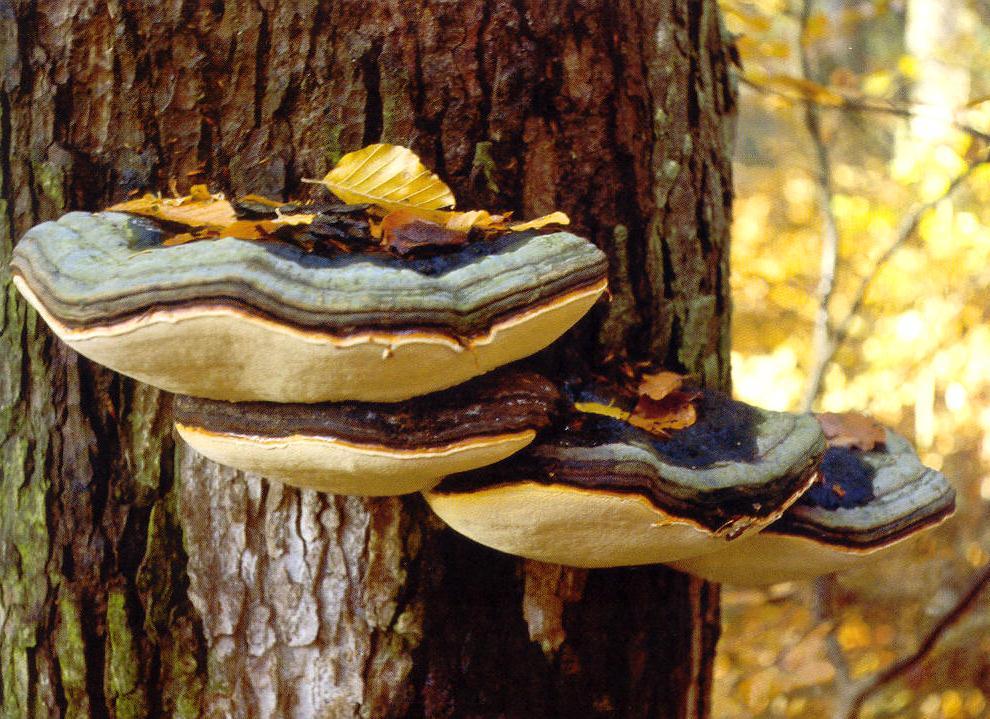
[459, 221]
[554, 218]
[209, 212]
[300, 219]
[389, 176]
[464, 221]
[608, 410]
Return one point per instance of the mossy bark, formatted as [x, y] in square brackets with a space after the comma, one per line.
[141, 580]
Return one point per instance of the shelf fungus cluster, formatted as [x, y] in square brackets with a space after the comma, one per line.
[365, 345]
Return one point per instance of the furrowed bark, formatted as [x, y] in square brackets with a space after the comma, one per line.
[139, 579]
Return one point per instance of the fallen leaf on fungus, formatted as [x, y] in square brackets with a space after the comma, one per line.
[389, 176]
[405, 234]
[394, 204]
[609, 410]
[213, 211]
[662, 406]
[659, 417]
[659, 385]
[852, 429]
[554, 218]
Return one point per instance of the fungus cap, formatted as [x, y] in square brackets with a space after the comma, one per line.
[237, 320]
[607, 494]
[372, 448]
[884, 497]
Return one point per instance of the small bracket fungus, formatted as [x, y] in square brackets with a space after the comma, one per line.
[866, 503]
[601, 492]
[236, 320]
[373, 448]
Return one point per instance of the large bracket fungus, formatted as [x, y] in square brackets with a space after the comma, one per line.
[866, 503]
[373, 448]
[339, 347]
[602, 493]
[238, 320]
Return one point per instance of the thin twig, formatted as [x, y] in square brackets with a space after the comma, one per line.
[850, 104]
[821, 337]
[904, 665]
[904, 233]
[823, 609]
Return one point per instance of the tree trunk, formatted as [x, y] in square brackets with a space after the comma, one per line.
[139, 579]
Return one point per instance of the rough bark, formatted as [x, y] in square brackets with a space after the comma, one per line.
[141, 580]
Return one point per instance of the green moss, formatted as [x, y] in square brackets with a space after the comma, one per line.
[146, 437]
[70, 649]
[123, 662]
[332, 148]
[51, 180]
[484, 161]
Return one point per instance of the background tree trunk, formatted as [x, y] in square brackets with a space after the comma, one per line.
[138, 579]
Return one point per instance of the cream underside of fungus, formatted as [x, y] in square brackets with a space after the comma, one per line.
[332, 465]
[769, 558]
[580, 527]
[223, 353]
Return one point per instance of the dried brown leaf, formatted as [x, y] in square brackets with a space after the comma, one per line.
[659, 417]
[405, 233]
[659, 385]
[852, 429]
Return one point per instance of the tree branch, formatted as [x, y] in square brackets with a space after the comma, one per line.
[924, 648]
[851, 104]
[828, 263]
[904, 233]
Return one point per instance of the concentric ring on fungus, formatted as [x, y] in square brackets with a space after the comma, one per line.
[603, 493]
[242, 321]
[373, 448]
[884, 497]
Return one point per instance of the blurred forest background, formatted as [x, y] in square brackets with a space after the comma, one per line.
[861, 278]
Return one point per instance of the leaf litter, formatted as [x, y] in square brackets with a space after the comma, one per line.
[386, 201]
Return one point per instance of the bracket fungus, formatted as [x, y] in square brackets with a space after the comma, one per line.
[866, 502]
[236, 320]
[601, 492]
[374, 448]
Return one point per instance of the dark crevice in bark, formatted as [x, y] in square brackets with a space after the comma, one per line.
[668, 268]
[6, 173]
[27, 36]
[372, 76]
[58, 689]
[700, 171]
[261, 60]
[627, 209]
[93, 625]
[673, 361]
[62, 112]
[694, 15]
[106, 447]
[484, 82]
[32, 677]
